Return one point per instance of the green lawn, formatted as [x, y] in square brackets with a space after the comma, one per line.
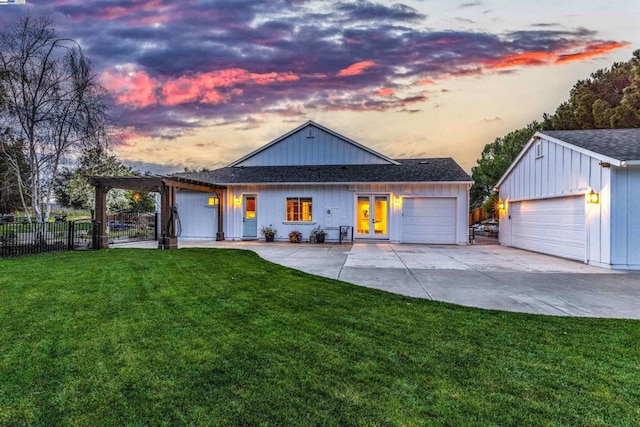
[222, 337]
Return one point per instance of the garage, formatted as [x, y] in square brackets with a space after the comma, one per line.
[554, 226]
[429, 220]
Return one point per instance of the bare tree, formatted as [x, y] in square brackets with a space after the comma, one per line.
[53, 102]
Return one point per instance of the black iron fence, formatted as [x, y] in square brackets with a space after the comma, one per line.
[18, 239]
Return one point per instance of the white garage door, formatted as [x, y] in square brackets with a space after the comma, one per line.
[429, 220]
[552, 226]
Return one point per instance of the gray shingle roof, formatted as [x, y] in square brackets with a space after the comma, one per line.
[409, 170]
[620, 144]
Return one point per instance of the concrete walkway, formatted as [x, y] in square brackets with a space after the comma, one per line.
[490, 276]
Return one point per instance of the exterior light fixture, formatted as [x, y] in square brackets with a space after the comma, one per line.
[236, 201]
[593, 197]
[501, 206]
[397, 201]
[213, 201]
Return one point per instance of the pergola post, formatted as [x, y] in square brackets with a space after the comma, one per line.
[168, 238]
[102, 240]
[220, 233]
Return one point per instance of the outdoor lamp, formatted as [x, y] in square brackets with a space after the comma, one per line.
[501, 206]
[593, 197]
[236, 201]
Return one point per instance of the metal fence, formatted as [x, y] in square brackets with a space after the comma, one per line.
[131, 226]
[18, 239]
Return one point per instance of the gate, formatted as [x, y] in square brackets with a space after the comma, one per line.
[83, 234]
[125, 227]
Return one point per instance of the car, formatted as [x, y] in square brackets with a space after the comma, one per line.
[115, 225]
[6, 219]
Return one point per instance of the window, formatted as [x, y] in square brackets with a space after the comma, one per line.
[299, 209]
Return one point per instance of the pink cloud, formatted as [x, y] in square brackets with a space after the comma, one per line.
[136, 89]
[385, 91]
[576, 52]
[131, 88]
[355, 69]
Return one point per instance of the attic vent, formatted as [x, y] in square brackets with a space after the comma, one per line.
[538, 150]
[310, 134]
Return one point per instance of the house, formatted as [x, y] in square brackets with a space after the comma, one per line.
[313, 176]
[575, 194]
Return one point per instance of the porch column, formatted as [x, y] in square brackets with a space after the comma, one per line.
[167, 238]
[101, 240]
[220, 233]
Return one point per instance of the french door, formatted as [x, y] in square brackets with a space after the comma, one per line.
[372, 216]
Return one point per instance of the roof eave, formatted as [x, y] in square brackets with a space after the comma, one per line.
[342, 182]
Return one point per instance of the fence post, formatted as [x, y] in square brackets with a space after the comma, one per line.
[155, 228]
[95, 234]
[70, 235]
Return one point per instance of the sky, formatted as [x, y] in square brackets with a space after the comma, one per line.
[202, 83]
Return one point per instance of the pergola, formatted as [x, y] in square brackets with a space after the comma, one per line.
[168, 188]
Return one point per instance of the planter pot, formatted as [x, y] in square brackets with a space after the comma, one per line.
[269, 238]
[312, 239]
[295, 239]
[320, 238]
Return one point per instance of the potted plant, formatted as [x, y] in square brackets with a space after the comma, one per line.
[318, 234]
[295, 236]
[269, 233]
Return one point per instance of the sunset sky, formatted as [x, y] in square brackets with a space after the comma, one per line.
[201, 83]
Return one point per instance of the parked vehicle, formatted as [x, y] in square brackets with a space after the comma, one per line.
[8, 218]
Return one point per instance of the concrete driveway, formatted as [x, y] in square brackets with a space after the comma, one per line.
[492, 276]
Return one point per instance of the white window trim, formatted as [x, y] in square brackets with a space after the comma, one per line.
[286, 202]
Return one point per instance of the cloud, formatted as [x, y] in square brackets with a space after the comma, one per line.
[172, 67]
[355, 69]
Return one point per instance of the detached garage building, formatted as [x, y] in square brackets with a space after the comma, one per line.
[314, 177]
[576, 194]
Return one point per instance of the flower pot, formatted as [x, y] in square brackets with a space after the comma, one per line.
[319, 238]
[269, 238]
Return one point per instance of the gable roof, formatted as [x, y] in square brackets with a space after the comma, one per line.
[301, 128]
[619, 147]
[406, 170]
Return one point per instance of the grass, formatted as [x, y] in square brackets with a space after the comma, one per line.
[222, 337]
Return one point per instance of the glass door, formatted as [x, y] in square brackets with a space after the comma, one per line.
[372, 216]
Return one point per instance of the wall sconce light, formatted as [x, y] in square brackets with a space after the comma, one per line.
[501, 206]
[593, 197]
[213, 201]
[236, 201]
[397, 201]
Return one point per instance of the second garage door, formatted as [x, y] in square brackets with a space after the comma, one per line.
[429, 220]
[552, 226]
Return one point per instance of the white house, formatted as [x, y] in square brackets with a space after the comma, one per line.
[313, 176]
[575, 194]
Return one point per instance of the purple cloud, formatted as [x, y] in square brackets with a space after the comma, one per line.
[173, 66]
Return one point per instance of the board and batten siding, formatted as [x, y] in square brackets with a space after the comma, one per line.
[322, 148]
[625, 218]
[561, 172]
[198, 220]
[340, 200]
